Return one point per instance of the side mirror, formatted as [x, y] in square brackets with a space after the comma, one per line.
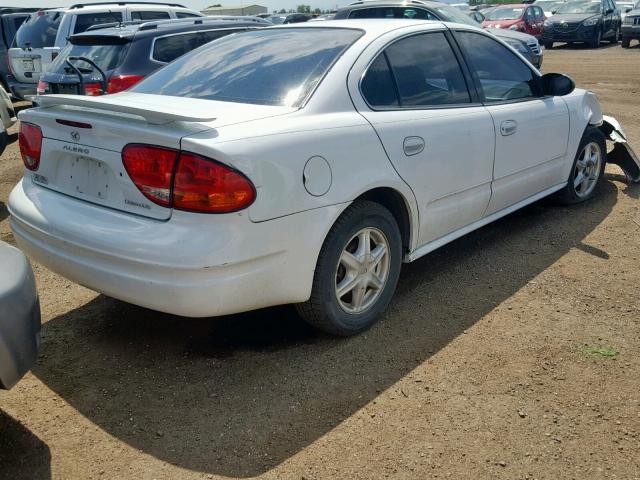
[627, 10]
[609, 11]
[557, 84]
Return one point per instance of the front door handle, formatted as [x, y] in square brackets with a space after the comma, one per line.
[413, 145]
[508, 127]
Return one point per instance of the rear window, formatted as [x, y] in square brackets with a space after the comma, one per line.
[167, 49]
[39, 30]
[86, 20]
[258, 67]
[107, 57]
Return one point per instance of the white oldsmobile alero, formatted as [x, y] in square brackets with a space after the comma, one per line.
[300, 164]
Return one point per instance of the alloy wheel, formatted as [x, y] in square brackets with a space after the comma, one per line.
[587, 169]
[362, 270]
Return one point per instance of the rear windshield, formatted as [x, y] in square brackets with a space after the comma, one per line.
[259, 67]
[39, 30]
[107, 57]
[167, 49]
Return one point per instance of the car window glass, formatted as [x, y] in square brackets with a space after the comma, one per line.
[377, 85]
[141, 15]
[256, 67]
[39, 30]
[426, 71]
[106, 56]
[167, 49]
[501, 74]
[393, 12]
[186, 15]
[86, 20]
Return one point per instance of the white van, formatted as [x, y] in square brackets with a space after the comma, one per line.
[41, 37]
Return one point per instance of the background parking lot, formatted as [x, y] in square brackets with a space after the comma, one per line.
[510, 353]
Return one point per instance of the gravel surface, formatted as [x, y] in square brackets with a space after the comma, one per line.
[509, 354]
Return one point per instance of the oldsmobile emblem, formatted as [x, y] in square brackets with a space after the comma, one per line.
[75, 136]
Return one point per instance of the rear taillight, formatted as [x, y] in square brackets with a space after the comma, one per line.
[42, 87]
[93, 89]
[30, 140]
[203, 185]
[119, 83]
[151, 169]
[186, 181]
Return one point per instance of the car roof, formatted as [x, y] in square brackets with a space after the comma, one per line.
[373, 26]
[393, 3]
[162, 27]
[114, 6]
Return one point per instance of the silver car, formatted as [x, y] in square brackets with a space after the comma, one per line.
[19, 316]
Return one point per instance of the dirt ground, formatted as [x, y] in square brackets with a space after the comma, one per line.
[509, 354]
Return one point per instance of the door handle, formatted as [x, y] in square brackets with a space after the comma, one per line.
[413, 145]
[508, 127]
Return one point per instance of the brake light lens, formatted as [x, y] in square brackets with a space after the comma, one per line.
[42, 87]
[186, 181]
[120, 83]
[30, 140]
[151, 169]
[93, 89]
[204, 185]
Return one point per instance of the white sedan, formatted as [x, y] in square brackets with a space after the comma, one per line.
[300, 164]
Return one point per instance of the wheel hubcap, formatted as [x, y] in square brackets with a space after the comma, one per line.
[362, 271]
[587, 169]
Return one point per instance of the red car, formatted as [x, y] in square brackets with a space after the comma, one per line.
[521, 17]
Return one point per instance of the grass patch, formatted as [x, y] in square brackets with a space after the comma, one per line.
[605, 352]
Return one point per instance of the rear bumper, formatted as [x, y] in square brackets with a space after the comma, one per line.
[19, 319]
[21, 90]
[631, 31]
[191, 265]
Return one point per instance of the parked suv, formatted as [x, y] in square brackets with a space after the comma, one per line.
[39, 40]
[588, 21]
[631, 26]
[521, 18]
[110, 60]
[525, 44]
[10, 21]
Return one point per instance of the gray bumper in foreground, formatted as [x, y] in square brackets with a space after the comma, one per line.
[19, 316]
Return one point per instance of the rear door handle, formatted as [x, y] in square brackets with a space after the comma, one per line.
[413, 145]
[508, 127]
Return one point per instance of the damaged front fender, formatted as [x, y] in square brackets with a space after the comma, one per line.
[622, 153]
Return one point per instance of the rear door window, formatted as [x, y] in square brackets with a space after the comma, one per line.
[167, 49]
[39, 30]
[86, 20]
[378, 87]
[149, 15]
[186, 15]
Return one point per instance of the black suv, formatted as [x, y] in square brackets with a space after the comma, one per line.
[10, 21]
[588, 21]
[631, 26]
[112, 58]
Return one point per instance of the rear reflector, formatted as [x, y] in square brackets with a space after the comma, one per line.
[42, 87]
[186, 181]
[30, 141]
[151, 169]
[203, 185]
[71, 123]
[93, 89]
[120, 83]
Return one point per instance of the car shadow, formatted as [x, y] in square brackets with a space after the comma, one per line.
[583, 46]
[4, 211]
[22, 454]
[238, 395]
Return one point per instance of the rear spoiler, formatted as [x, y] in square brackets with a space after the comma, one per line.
[153, 113]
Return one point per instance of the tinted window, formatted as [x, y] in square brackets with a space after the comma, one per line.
[393, 12]
[580, 7]
[39, 31]
[259, 67]
[377, 85]
[86, 20]
[149, 15]
[185, 15]
[426, 71]
[501, 74]
[505, 13]
[167, 49]
[107, 57]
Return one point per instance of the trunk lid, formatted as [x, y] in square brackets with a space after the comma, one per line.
[83, 138]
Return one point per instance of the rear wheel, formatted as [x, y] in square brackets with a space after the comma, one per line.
[587, 170]
[626, 42]
[357, 271]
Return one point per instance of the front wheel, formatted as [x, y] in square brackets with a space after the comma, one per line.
[616, 36]
[587, 170]
[626, 42]
[357, 271]
[548, 45]
[595, 43]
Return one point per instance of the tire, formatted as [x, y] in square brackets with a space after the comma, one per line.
[341, 316]
[626, 42]
[595, 43]
[4, 139]
[548, 45]
[578, 192]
